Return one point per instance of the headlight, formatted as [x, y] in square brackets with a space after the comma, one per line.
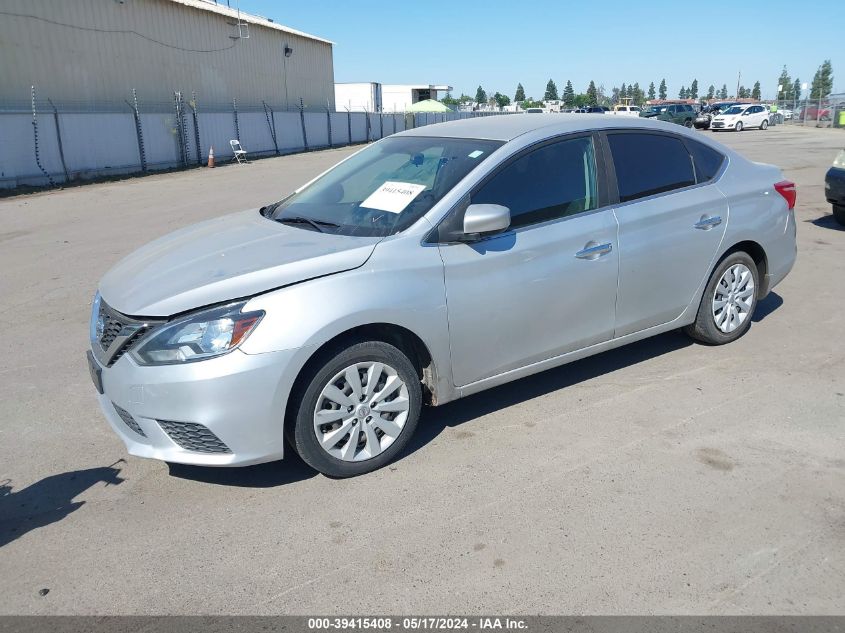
[95, 326]
[199, 336]
[839, 161]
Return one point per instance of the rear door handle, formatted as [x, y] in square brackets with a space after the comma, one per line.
[592, 250]
[708, 222]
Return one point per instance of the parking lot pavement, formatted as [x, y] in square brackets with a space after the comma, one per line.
[664, 477]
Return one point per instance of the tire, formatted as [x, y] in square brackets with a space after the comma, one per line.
[385, 434]
[839, 213]
[738, 127]
[764, 125]
[717, 327]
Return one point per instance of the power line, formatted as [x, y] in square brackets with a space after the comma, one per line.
[121, 31]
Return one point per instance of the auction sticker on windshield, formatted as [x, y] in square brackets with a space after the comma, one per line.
[393, 196]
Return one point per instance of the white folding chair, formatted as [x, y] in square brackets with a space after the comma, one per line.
[238, 151]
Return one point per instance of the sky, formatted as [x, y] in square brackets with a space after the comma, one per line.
[497, 44]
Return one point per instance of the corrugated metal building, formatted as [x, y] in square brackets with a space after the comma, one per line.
[92, 52]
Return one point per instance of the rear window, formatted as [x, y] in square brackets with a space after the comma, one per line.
[707, 161]
[647, 164]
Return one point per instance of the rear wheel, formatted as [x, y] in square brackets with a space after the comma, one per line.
[839, 213]
[358, 410]
[738, 127]
[764, 125]
[688, 123]
[728, 302]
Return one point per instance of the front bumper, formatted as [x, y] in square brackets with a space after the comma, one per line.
[722, 125]
[225, 411]
[834, 186]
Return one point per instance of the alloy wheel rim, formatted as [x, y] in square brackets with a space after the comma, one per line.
[361, 411]
[733, 298]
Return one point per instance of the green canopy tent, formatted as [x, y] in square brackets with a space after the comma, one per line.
[429, 105]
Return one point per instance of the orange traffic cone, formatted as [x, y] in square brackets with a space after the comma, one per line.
[211, 156]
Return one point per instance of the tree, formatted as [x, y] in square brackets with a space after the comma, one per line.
[449, 100]
[662, 91]
[651, 92]
[569, 94]
[581, 100]
[796, 89]
[786, 85]
[711, 92]
[623, 91]
[464, 98]
[530, 103]
[501, 100]
[723, 93]
[755, 91]
[592, 94]
[693, 89]
[822, 81]
[551, 92]
[682, 93]
[520, 93]
[637, 94]
[480, 95]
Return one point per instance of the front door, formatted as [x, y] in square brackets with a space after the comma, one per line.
[548, 285]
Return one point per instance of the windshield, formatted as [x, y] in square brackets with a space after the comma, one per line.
[384, 188]
[733, 110]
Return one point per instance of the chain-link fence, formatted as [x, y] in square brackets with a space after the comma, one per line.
[49, 142]
[826, 112]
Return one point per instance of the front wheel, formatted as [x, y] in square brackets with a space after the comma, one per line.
[738, 127]
[358, 410]
[764, 125]
[839, 213]
[688, 123]
[728, 302]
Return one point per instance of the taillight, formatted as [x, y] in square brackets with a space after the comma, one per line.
[786, 188]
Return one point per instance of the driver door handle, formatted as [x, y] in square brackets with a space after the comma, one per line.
[592, 250]
[707, 223]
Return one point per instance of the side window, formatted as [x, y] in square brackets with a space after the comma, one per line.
[647, 164]
[707, 160]
[550, 182]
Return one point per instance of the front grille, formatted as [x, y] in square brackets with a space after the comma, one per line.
[113, 326]
[129, 420]
[193, 437]
[717, 124]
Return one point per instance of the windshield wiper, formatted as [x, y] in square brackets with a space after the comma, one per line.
[317, 224]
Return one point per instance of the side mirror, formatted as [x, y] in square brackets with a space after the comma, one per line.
[485, 219]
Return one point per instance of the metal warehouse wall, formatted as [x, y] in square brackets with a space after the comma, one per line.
[108, 51]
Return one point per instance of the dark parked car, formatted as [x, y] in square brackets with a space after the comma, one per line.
[834, 187]
[680, 113]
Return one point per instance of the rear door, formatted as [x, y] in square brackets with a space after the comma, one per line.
[671, 223]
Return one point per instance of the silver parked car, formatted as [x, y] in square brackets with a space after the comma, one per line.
[431, 265]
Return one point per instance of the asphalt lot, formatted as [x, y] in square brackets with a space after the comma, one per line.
[665, 477]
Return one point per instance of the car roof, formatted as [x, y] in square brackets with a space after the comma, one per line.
[509, 126]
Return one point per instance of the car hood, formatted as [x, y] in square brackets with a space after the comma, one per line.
[230, 257]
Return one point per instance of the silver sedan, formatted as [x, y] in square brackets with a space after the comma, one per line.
[431, 265]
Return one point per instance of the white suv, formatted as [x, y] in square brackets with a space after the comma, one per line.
[741, 117]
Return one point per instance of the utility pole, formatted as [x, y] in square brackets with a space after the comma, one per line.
[738, 77]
